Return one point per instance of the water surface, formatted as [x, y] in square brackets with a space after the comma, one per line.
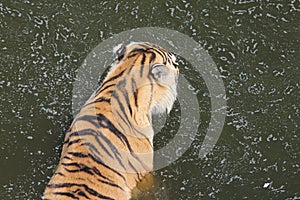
[255, 45]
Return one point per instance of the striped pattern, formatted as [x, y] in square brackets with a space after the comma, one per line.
[108, 149]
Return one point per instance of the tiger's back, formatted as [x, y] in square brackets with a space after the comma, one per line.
[108, 149]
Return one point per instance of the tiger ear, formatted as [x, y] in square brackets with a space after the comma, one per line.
[120, 51]
[160, 72]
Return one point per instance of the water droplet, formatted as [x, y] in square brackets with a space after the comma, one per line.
[243, 76]
[266, 185]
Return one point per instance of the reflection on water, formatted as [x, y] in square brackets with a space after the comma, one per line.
[253, 43]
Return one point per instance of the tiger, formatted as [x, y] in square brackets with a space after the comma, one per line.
[108, 149]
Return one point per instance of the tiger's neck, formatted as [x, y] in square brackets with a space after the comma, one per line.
[130, 107]
[128, 104]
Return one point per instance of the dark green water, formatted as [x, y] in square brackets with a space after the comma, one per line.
[255, 45]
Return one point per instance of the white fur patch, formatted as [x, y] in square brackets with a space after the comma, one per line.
[116, 48]
[166, 103]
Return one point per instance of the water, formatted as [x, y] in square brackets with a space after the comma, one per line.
[255, 45]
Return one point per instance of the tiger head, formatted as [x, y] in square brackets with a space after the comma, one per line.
[149, 80]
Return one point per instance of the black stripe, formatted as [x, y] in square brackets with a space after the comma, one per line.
[90, 171]
[101, 89]
[122, 86]
[95, 193]
[73, 164]
[113, 78]
[109, 143]
[132, 65]
[68, 158]
[126, 121]
[111, 184]
[94, 149]
[61, 185]
[116, 96]
[81, 193]
[96, 159]
[152, 58]
[120, 135]
[169, 58]
[123, 117]
[116, 153]
[99, 161]
[151, 83]
[96, 134]
[59, 173]
[142, 65]
[161, 54]
[138, 159]
[135, 92]
[138, 50]
[136, 171]
[73, 142]
[132, 55]
[85, 170]
[66, 141]
[102, 99]
[89, 118]
[100, 174]
[128, 104]
[88, 189]
[101, 118]
[109, 91]
[98, 100]
[98, 142]
[68, 194]
[78, 154]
